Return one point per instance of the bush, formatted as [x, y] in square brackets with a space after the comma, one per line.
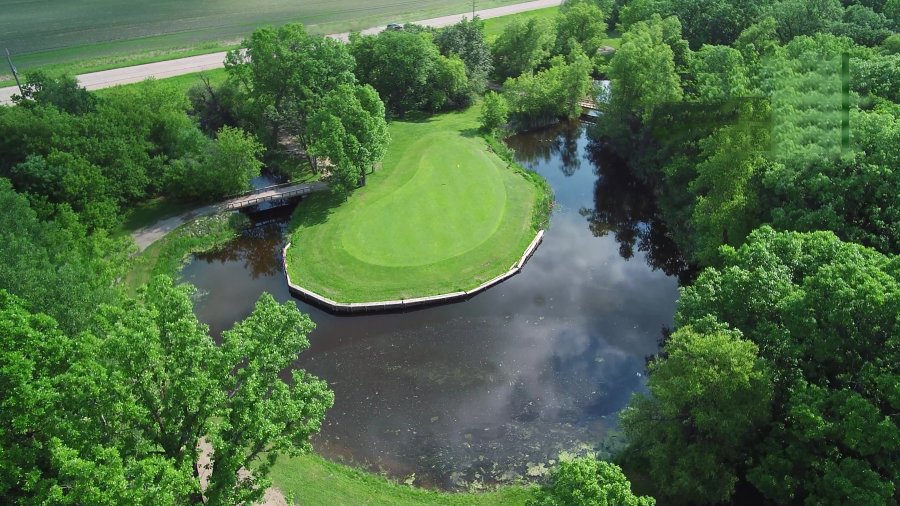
[586, 481]
[494, 112]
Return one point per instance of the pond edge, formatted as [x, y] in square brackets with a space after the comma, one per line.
[399, 305]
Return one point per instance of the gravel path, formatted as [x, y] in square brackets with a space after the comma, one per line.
[180, 66]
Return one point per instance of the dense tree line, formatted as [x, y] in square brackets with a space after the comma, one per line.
[132, 407]
[101, 155]
[780, 377]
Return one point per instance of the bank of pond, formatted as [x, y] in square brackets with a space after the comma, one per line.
[492, 390]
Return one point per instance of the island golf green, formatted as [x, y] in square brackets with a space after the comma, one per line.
[443, 214]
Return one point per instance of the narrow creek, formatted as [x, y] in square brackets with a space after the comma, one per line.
[485, 390]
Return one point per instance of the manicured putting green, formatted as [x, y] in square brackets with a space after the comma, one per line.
[443, 214]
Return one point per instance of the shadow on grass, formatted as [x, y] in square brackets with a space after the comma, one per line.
[472, 133]
[315, 210]
[415, 117]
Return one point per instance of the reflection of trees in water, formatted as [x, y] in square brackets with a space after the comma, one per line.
[257, 247]
[625, 207]
[558, 141]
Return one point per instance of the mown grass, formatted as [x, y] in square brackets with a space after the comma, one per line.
[443, 214]
[311, 479]
[182, 83]
[78, 37]
[494, 27]
[167, 255]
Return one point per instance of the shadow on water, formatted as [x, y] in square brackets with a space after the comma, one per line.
[483, 390]
[624, 207]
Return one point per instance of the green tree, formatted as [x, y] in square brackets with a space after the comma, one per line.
[704, 21]
[878, 75]
[719, 74]
[551, 93]
[820, 316]
[522, 47]
[350, 131]
[892, 12]
[233, 160]
[407, 70]
[586, 481]
[710, 394]
[64, 178]
[494, 112]
[891, 45]
[285, 72]
[448, 86]
[726, 188]
[466, 40]
[582, 24]
[863, 25]
[758, 40]
[225, 167]
[805, 17]
[62, 92]
[119, 414]
[854, 195]
[48, 258]
[643, 72]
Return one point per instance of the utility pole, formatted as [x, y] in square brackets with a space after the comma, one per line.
[16, 72]
[473, 10]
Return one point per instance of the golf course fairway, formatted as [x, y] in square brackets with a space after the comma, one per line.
[443, 214]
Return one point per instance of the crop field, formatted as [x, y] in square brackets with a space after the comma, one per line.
[98, 32]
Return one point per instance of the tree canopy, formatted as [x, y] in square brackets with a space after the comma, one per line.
[124, 412]
[522, 47]
[802, 329]
[410, 73]
[585, 481]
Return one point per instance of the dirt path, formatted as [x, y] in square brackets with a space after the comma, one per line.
[272, 497]
[180, 66]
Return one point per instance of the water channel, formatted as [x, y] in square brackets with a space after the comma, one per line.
[485, 390]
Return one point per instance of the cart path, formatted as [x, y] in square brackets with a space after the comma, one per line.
[145, 236]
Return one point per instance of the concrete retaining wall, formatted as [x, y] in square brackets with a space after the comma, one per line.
[399, 305]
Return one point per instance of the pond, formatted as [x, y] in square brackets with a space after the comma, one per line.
[488, 389]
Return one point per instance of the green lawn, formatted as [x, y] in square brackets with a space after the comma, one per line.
[77, 37]
[183, 82]
[494, 27]
[311, 479]
[443, 214]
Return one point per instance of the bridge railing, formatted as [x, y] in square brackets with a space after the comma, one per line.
[261, 190]
[247, 202]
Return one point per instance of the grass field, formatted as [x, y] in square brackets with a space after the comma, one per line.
[494, 27]
[311, 479]
[78, 37]
[443, 214]
[183, 82]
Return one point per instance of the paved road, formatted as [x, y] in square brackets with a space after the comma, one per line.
[169, 68]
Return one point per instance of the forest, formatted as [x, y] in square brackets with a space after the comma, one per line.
[768, 131]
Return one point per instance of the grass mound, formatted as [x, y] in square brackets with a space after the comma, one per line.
[444, 214]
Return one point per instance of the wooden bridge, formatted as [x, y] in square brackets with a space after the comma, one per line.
[589, 105]
[277, 194]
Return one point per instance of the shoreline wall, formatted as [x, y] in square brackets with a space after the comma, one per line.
[401, 304]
